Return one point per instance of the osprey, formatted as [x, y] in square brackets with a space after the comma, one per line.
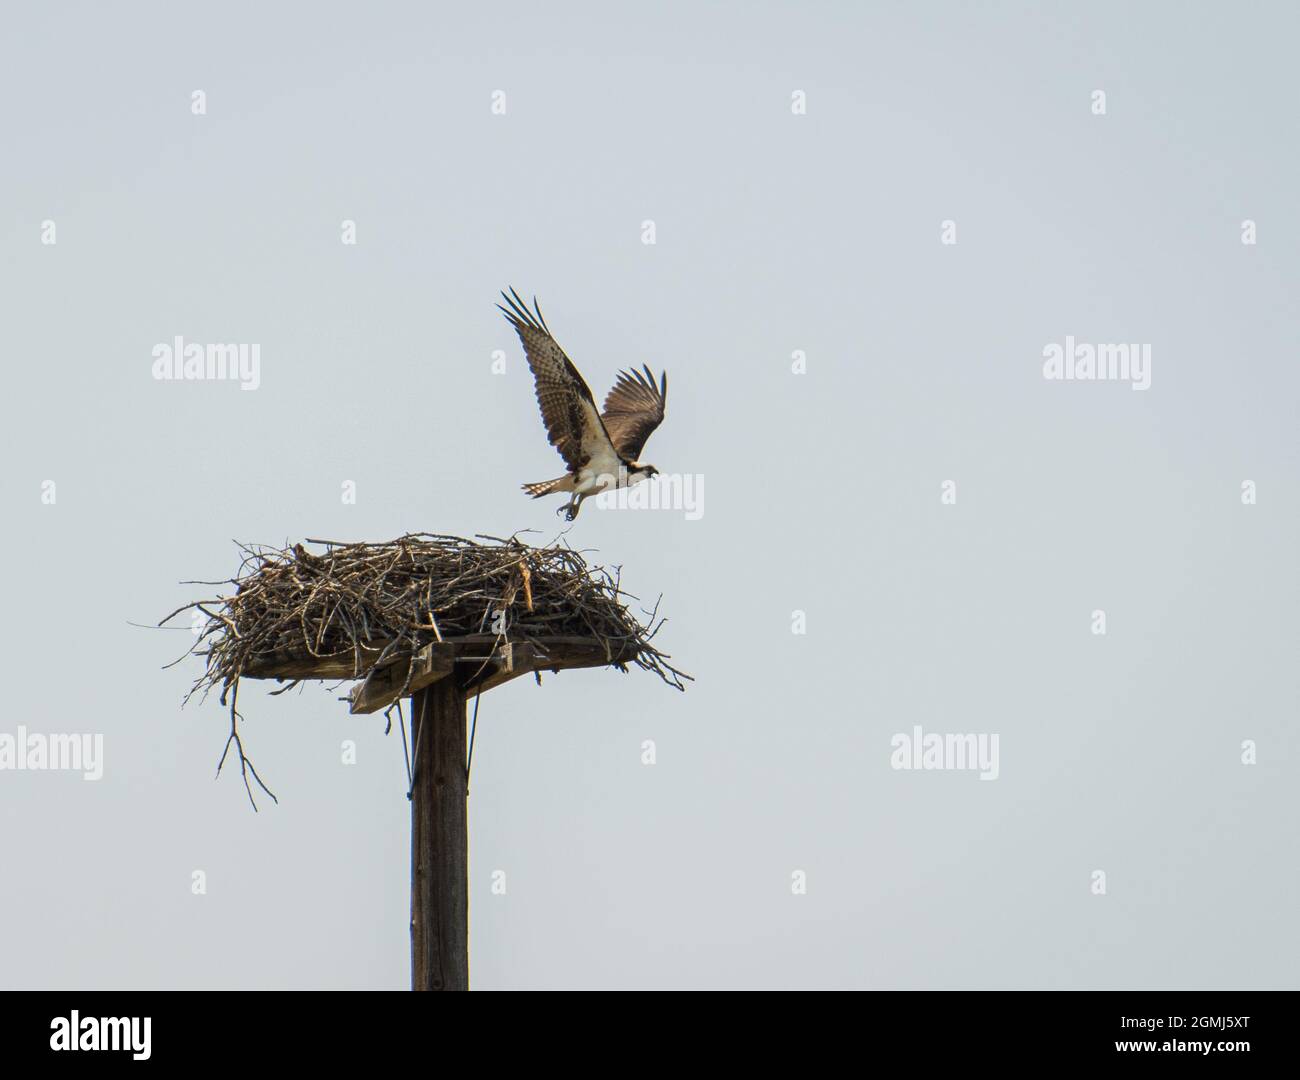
[600, 448]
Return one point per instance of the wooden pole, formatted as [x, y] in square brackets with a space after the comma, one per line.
[439, 840]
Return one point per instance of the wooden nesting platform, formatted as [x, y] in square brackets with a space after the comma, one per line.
[405, 614]
[475, 662]
[409, 618]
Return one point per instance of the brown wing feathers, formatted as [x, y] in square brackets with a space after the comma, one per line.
[633, 409]
[558, 383]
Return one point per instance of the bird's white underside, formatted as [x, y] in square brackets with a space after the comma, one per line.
[603, 467]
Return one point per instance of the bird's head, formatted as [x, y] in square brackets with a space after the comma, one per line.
[637, 472]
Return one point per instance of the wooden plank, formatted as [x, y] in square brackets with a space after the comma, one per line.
[439, 840]
[523, 658]
[561, 652]
[384, 686]
[343, 666]
[557, 643]
[511, 659]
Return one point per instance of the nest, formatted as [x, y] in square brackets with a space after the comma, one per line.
[354, 608]
[375, 611]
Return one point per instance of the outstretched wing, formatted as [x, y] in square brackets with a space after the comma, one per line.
[568, 410]
[633, 409]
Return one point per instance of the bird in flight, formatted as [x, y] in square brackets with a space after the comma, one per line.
[601, 449]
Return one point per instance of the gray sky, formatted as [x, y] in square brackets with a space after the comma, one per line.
[775, 233]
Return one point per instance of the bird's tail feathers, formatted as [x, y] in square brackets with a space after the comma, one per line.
[549, 487]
